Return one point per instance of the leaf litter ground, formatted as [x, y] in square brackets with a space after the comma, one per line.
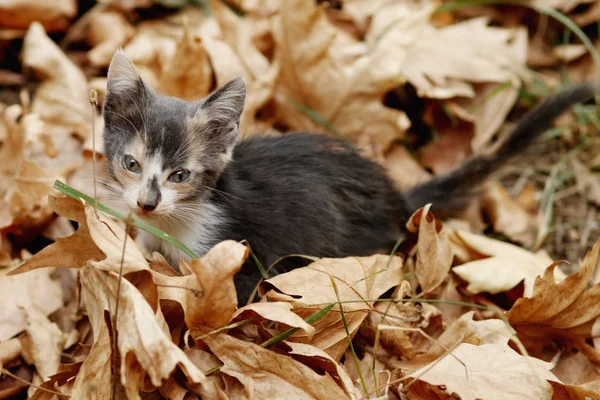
[454, 314]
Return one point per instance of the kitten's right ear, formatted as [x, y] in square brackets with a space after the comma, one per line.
[123, 77]
[125, 90]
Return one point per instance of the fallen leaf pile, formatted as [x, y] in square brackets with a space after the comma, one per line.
[454, 314]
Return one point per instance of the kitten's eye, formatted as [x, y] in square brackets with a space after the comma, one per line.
[131, 164]
[179, 176]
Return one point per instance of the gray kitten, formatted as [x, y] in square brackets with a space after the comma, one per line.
[177, 165]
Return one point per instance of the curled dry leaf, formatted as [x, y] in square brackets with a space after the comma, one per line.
[268, 375]
[434, 251]
[321, 72]
[61, 99]
[482, 372]
[54, 16]
[99, 239]
[565, 309]
[188, 74]
[144, 346]
[214, 273]
[274, 311]
[35, 290]
[506, 266]
[359, 282]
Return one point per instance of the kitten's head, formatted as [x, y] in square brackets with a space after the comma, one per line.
[164, 153]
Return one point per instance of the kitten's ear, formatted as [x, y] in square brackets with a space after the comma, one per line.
[125, 91]
[122, 76]
[218, 116]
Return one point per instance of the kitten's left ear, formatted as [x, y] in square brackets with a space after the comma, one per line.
[218, 116]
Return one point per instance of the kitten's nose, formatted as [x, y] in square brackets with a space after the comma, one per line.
[146, 206]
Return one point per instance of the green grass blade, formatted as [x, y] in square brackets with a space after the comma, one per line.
[76, 194]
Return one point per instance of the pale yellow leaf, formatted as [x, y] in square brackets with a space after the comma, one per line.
[483, 372]
[32, 290]
[46, 342]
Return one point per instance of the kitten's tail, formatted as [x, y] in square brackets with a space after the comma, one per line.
[450, 193]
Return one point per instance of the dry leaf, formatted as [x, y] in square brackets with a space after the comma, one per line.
[214, 272]
[108, 30]
[565, 309]
[434, 251]
[269, 375]
[507, 266]
[274, 311]
[95, 376]
[33, 290]
[359, 282]
[320, 71]
[54, 16]
[144, 347]
[482, 372]
[319, 361]
[61, 99]
[188, 74]
[46, 342]
[428, 57]
[508, 216]
[99, 239]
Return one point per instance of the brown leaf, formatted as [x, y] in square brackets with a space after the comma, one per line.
[508, 216]
[426, 55]
[270, 375]
[95, 375]
[188, 74]
[61, 99]
[108, 30]
[260, 74]
[320, 361]
[54, 16]
[482, 372]
[434, 252]
[561, 305]
[33, 290]
[9, 350]
[274, 311]
[144, 346]
[560, 310]
[359, 280]
[321, 71]
[215, 272]
[46, 342]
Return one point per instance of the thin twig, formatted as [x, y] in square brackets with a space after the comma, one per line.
[93, 99]
[116, 314]
[18, 378]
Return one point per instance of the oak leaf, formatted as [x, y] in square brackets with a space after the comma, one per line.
[274, 311]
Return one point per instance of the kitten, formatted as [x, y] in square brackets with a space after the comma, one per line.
[177, 165]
